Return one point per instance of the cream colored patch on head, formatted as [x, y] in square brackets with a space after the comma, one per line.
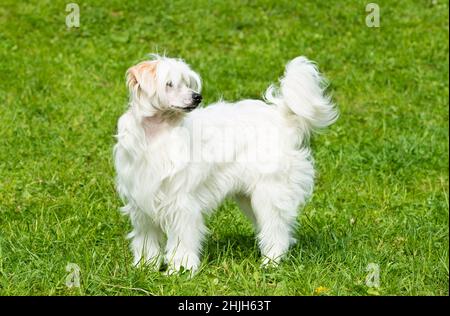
[137, 72]
[149, 66]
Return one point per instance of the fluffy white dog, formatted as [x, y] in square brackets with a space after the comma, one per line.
[175, 163]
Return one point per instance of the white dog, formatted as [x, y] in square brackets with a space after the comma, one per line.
[176, 163]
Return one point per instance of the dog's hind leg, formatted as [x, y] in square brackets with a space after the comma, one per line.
[146, 240]
[276, 213]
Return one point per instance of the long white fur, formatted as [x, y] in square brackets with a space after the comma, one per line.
[168, 187]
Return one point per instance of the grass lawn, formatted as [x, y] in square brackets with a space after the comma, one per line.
[383, 179]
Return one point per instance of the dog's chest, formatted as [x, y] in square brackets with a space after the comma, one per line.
[149, 174]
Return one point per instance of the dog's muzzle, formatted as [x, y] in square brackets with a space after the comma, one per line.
[196, 99]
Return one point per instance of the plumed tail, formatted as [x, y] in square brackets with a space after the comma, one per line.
[301, 97]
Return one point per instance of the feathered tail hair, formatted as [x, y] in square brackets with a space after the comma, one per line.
[302, 99]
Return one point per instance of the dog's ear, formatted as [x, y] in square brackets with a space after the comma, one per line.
[141, 78]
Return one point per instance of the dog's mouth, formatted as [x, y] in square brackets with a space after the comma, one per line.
[195, 101]
[187, 108]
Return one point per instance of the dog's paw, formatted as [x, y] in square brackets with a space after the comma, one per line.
[186, 264]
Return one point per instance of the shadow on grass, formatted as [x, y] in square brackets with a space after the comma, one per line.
[234, 246]
[244, 246]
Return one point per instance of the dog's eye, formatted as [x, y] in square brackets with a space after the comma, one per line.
[169, 84]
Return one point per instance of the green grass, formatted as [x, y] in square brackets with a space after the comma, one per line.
[383, 180]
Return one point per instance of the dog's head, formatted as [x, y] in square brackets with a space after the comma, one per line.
[163, 85]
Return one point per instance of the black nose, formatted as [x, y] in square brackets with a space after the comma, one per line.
[196, 97]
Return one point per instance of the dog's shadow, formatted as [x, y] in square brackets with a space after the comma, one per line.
[238, 242]
[241, 247]
[237, 246]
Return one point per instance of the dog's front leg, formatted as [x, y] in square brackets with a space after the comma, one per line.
[146, 239]
[184, 239]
